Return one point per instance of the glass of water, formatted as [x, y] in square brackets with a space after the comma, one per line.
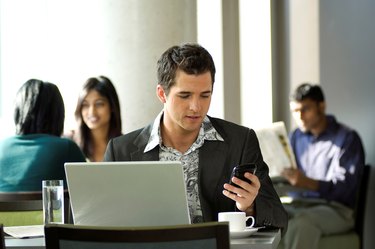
[53, 201]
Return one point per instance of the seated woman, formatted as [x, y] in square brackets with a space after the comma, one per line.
[36, 152]
[98, 117]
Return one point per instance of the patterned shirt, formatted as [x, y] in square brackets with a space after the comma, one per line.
[189, 160]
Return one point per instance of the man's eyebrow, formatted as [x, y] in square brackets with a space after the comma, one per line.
[184, 92]
[187, 92]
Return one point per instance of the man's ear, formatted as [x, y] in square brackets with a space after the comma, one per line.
[161, 94]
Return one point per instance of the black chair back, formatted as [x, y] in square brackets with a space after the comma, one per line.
[360, 210]
[211, 235]
[2, 240]
[21, 201]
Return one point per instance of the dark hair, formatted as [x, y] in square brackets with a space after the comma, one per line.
[308, 91]
[104, 87]
[39, 109]
[190, 58]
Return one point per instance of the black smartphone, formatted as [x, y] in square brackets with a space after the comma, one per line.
[240, 170]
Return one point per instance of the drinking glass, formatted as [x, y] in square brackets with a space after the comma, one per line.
[53, 201]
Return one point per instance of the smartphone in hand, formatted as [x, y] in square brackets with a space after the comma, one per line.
[240, 170]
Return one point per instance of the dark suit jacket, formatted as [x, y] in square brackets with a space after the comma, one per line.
[216, 161]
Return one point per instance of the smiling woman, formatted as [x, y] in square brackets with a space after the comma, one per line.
[98, 117]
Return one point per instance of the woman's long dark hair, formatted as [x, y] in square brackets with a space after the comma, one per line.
[106, 89]
[39, 108]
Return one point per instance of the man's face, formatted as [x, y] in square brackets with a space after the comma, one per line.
[308, 114]
[187, 103]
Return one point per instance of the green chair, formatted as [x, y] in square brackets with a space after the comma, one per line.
[21, 208]
[26, 208]
[211, 235]
[352, 239]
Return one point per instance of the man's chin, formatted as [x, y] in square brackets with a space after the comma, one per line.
[304, 129]
[192, 127]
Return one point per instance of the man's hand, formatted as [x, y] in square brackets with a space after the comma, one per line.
[245, 195]
[297, 179]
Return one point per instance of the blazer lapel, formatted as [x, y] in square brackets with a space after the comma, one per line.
[140, 142]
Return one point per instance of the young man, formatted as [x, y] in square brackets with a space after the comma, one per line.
[208, 148]
[330, 161]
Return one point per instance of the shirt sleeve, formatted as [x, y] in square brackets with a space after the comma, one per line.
[345, 179]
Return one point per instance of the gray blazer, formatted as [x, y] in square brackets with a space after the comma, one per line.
[216, 161]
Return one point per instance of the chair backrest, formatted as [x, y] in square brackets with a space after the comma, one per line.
[2, 240]
[360, 210]
[21, 208]
[21, 201]
[25, 208]
[211, 235]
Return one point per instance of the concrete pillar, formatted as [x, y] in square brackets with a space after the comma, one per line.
[138, 32]
[66, 42]
[124, 39]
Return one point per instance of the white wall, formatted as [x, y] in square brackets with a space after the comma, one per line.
[347, 66]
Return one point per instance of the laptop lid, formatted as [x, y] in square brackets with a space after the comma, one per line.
[142, 193]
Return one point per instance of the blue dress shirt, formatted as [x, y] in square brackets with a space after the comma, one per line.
[335, 158]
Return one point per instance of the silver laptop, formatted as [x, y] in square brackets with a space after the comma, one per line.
[145, 193]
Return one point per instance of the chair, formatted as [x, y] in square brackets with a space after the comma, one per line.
[211, 235]
[25, 208]
[21, 208]
[2, 240]
[354, 238]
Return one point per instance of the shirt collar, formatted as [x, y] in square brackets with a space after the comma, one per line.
[331, 124]
[207, 132]
[331, 128]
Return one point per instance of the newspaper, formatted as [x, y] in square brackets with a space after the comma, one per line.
[276, 149]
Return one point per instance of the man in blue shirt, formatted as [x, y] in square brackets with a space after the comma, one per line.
[330, 161]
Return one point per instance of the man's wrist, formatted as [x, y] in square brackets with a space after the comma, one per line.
[312, 184]
[250, 210]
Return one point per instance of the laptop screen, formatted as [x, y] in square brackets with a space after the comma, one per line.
[142, 193]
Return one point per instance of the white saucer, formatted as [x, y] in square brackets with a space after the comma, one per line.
[243, 234]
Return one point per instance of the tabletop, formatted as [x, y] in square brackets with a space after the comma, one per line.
[258, 240]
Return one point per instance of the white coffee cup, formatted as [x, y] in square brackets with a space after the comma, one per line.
[237, 220]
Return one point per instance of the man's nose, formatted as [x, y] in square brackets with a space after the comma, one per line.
[301, 115]
[195, 105]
